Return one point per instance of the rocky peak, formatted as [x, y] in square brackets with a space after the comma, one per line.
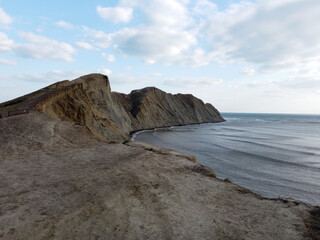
[88, 101]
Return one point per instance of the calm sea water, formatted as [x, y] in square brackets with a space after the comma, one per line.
[273, 155]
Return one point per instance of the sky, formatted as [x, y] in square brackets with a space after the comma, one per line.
[258, 56]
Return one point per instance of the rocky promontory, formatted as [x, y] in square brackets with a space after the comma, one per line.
[66, 172]
[89, 101]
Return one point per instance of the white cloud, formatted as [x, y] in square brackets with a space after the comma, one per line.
[64, 25]
[100, 38]
[192, 82]
[6, 44]
[85, 45]
[48, 77]
[248, 71]
[124, 79]
[8, 62]
[108, 57]
[166, 36]
[204, 8]
[152, 44]
[272, 34]
[115, 14]
[5, 19]
[301, 83]
[105, 71]
[172, 14]
[43, 48]
[156, 74]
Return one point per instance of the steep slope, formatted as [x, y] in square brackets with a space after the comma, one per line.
[151, 107]
[89, 101]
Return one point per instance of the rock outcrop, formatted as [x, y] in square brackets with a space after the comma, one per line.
[88, 101]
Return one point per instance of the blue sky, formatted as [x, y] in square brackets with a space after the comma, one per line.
[241, 56]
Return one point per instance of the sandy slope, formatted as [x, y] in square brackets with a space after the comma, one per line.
[58, 182]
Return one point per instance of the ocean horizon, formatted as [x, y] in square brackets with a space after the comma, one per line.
[272, 154]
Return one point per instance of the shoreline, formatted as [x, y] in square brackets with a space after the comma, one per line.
[78, 186]
[285, 198]
[136, 132]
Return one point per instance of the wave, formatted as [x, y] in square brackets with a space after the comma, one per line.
[260, 120]
[272, 147]
[231, 119]
[134, 135]
[259, 157]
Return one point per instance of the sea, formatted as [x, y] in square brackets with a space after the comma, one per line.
[274, 155]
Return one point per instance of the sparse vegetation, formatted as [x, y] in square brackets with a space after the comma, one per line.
[204, 170]
[227, 180]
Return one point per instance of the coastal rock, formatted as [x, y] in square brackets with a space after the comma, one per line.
[88, 101]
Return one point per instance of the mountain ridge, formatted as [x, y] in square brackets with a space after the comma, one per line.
[89, 101]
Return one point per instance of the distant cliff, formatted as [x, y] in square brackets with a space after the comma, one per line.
[89, 101]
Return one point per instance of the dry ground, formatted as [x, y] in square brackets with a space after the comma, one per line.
[58, 182]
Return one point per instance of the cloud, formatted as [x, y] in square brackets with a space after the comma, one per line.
[48, 77]
[108, 57]
[64, 25]
[204, 8]
[301, 83]
[156, 74]
[172, 14]
[248, 71]
[164, 36]
[43, 48]
[5, 19]
[152, 44]
[99, 38]
[6, 44]
[123, 79]
[8, 62]
[261, 83]
[272, 34]
[105, 71]
[192, 82]
[85, 46]
[115, 14]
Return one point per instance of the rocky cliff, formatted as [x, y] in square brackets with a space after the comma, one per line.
[58, 181]
[89, 101]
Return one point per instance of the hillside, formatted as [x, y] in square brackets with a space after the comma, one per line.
[89, 101]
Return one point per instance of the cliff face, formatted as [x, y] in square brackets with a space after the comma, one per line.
[89, 101]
